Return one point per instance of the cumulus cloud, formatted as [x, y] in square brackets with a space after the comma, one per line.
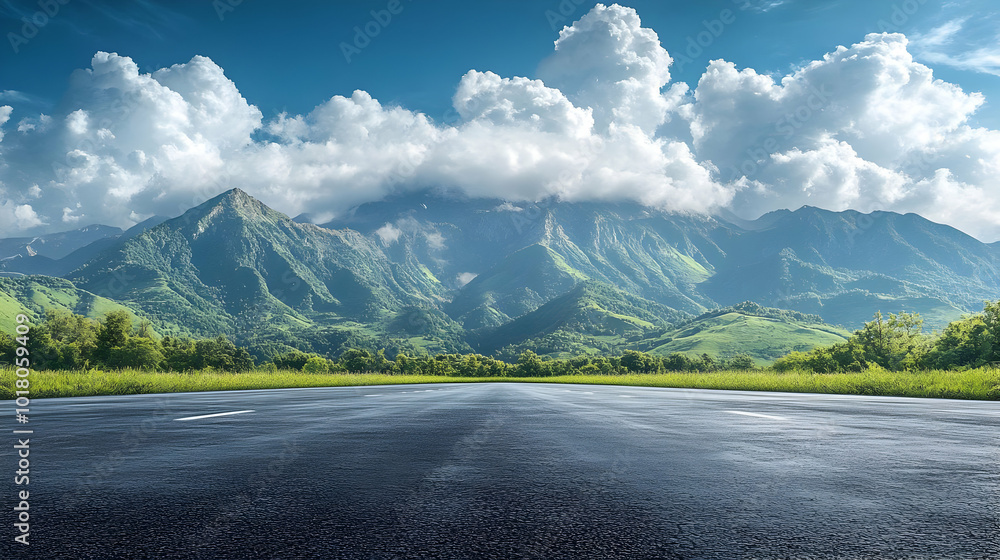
[486, 97]
[21, 216]
[133, 143]
[864, 127]
[872, 95]
[607, 61]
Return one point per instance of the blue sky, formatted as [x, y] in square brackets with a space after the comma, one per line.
[511, 99]
[286, 56]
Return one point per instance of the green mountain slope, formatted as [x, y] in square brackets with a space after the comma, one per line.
[764, 333]
[645, 252]
[437, 271]
[840, 265]
[519, 284]
[232, 265]
[845, 265]
[34, 295]
[591, 318]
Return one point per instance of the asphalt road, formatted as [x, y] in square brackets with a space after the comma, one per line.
[509, 471]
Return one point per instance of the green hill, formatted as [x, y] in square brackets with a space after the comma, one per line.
[765, 334]
[595, 318]
[591, 318]
[34, 295]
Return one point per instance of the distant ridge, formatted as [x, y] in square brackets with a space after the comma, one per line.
[429, 271]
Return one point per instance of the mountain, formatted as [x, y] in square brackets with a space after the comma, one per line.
[520, 283]
[842, 266]
[436, 271]
[59, 263]
[652, 254]
[594, 318]
[232, 265]
[590, 318]
[845, 265]
[56, 245]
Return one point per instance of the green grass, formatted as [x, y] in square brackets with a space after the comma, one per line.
[981, 384]
[764, 338]
[33, 295]
[978, 384]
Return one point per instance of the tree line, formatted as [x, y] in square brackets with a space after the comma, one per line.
[65, 341]
[528, 364]
[898, 343]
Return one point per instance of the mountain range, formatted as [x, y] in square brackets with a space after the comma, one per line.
[435, 271]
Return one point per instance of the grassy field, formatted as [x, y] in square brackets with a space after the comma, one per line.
[765, 339]
[982, 384]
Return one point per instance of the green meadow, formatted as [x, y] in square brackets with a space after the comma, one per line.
[980, 383]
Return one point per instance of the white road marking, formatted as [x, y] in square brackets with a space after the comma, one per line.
[755, 414]
[627, 396]
[376, 395]
[212, 415]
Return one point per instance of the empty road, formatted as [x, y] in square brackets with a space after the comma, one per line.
[508, 471]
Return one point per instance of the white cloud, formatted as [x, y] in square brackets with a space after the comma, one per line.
[5, 112]
[872, 95]
[68, 217]
[464, 278]
[946, 45]
[22, 216]
[388, 233]
[434, 240]
[485, 96]
[77, 122]
[831, 176]
[508, 207]
[12, 95]
[760, 5]
[608, 62]
[864, 127]
[32, 124]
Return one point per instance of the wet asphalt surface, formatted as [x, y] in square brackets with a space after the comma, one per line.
[509, 471]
